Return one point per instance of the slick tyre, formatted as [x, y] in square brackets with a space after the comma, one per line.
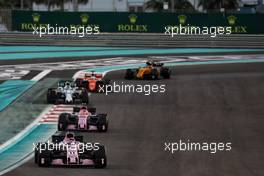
[102, 123]
[100, 159]
[165, 73]
[51, 96]
[44, 158]
[84, 96]
[85, 84]
[63, 121]
[129, 74]
[103, 128]
[36, 152]
[101, 163]
[154, 74]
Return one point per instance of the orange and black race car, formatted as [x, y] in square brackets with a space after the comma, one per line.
[152, 70]
[93, 82]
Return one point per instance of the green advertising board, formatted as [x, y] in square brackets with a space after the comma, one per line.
[136, 22]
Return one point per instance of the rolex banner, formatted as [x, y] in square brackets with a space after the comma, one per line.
[136, 22]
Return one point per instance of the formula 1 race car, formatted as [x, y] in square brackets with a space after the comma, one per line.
[67, 93]
[93, 82]
[66, 149]
[153, 70]
[83, 119]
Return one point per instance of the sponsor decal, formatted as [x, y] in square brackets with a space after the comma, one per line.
[182, 19]
[132, 26]
[232, 21]
[37, 18]
[84, 18]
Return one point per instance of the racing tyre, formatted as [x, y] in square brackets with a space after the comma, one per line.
[103, 127]
[102, 123]
[100, 159]
[51, 96]
[76, 109]
[101, 163]
[165, 73]
[84, 96]
[79, 82]
[85, 84]
[129, 74]
[154, 74]
[36, 151]
[44, 158]
[63, 121]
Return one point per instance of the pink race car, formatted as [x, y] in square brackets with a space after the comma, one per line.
[66, 149]
[83, 119]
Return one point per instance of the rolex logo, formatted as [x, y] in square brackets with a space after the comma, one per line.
[84, 18]
[231, 19]
[182, 19]
[132, 18]
[36, 17]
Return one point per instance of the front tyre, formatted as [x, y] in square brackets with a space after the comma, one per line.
[129, 74]
[44, 159]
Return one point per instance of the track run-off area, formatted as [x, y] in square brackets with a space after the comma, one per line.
[215, 98]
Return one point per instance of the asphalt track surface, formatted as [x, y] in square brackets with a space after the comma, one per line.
[157, 40]
[213, 103]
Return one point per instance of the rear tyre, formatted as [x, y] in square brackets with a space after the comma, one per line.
[100, 159]
[63, 121]
[51, 96]
[102, 123]
[76, 109]
[103, 127]
[84, 96]
[165, 73]
[154, 74]
[79, 82]
[85, 84]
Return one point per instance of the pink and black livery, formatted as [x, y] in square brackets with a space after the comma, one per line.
[83, 119]
[73, 155]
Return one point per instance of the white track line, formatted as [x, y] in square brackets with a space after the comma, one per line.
[41, 75]
[54, 112]
[92, 61]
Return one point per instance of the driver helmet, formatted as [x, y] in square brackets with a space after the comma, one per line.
[70, 137]
[83, 108]
[67, 83]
